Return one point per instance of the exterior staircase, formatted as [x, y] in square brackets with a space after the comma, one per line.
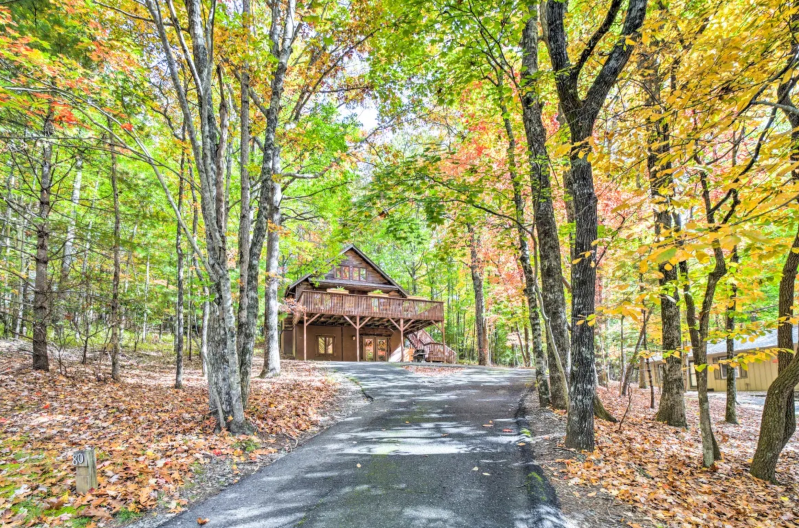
[434, 352]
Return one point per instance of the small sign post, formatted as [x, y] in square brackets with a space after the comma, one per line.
[86, 469]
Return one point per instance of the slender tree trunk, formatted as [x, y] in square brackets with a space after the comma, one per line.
[628, 373]
[698, 327]
[41, 305]
[6, 250]
[651, 385]
[475, 265]
[268, 221]
[146, 291]
[244, 160]
[622, 371]
[272, 326]
[672, 399]
[558, 396]
[69, 240]
[178, 343]
[115, 319]
[553, 296]
[22, 284]
[208, 134]
[730, 412]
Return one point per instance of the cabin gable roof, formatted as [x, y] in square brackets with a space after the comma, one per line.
[355, 258]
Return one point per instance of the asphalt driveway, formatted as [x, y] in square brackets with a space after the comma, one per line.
[433, 452]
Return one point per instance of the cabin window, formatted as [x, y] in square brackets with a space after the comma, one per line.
[722, 371]
[325, 345]
[361, 274]
[343, 272]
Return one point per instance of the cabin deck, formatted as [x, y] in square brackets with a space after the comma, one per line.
[331, 308]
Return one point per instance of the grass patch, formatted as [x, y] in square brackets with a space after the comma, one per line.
[125, 515]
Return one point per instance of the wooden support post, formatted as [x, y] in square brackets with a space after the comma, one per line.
[85, 470]
[357, 338]
[305, 324]
[443, 343]
[402, 339]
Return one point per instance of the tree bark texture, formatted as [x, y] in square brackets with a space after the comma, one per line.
[558, 396]
[697, 329]
[730, 411]
[268, 220]
[552, 294]
[178, 342]
[779, 419]
[672, 399]
[581, 113]
[115, 312]
[272, 326]
[475, 265]
[41, 298]
[245, 224]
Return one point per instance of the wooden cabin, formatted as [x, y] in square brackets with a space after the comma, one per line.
[353, 311]
[756, 377]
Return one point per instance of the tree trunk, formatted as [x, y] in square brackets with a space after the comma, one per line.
[672, 399]
[178, 343]
[730, 412]
[540, 360]
[244, 205]
[41, 306]
[268, 221]
[209, 144]
[628, 374]
[69, 239]
[779, 419]
[553, 296]
[146, 291]
[622, 371]
[475, 265]
[651, 385]
[558, 396]
[115, 319]
[580, 425]
[697, 329]
[271, 326]
[581, 115]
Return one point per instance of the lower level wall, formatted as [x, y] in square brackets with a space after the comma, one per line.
[344, 344]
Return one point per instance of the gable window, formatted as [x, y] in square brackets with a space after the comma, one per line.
[351, 273]
[324, 345]
[343, 272]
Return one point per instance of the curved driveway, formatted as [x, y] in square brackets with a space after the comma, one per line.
[433, 452]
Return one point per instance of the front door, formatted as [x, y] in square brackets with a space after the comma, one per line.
[375, 348]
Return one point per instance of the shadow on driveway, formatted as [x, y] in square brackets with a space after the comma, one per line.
[433, 452]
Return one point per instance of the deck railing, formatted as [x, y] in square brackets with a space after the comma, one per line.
[320, 302]
[439, 353]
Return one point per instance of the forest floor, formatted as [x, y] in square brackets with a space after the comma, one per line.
[657, 469]
[156, 447]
